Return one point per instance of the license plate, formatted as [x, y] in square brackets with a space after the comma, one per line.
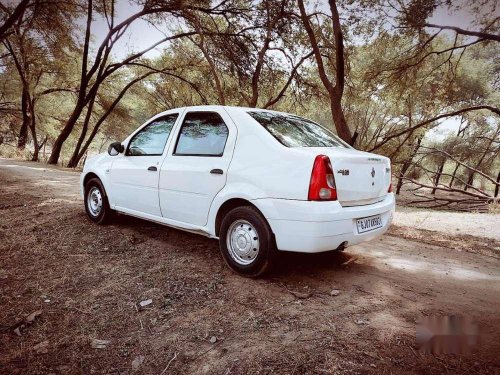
[367, 224]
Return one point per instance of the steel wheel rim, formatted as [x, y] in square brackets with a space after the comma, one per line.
[94, 201]
[242, 241]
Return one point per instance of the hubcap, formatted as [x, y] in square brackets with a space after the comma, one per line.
[94, 201]
[242, 242]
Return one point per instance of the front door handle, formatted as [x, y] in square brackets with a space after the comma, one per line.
[216, 171]
[153, 168]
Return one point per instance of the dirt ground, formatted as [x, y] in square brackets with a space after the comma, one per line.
[85, 282]
[449, 222]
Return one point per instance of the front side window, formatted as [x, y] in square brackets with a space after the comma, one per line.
[294, 131]
[151, 140]
[202, 134]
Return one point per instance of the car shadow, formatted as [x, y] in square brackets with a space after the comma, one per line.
[287, 263]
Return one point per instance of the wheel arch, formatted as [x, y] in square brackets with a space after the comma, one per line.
[90, 175]
[227, 206]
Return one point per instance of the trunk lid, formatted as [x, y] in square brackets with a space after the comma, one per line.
[361, 178]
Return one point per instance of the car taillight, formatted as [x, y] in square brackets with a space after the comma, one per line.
[322, 184]
[390, 188]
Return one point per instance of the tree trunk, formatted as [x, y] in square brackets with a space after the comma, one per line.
[438, 176]
[65, 132]
[498, 185]
[82, 150]
[73, 161]
[82, 91]
[454, 174]
[36, 151]
[406, 166]
[85, 147]
[341, 126]
[470, 180]
[36, 148]
[336, 91]
[23, 132]
[402, 173]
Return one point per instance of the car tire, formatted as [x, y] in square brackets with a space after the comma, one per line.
[247, 242]
[96, 202]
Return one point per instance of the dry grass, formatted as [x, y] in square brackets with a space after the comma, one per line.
[494, 208]
[88, 280]
[11, 151]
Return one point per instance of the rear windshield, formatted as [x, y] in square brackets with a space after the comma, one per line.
[294, 131]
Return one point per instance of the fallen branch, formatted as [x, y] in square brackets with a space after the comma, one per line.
[168, 364]
[435, 150]
[387, 138]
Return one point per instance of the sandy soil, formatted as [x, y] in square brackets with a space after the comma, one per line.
[450, 223]
[86, 283]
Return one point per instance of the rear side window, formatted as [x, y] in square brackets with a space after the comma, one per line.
[151, 140]
[202, 134]
[294, 131]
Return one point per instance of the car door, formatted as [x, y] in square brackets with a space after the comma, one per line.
[135, 173]
[195, 168]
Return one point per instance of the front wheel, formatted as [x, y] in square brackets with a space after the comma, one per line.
[96, 202]
[247, 242]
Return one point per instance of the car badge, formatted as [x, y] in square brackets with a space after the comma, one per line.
[373, 172]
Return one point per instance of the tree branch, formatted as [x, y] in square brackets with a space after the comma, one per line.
[458, 30]
[314, 44]
[278, 97]
[429, 121]
[13, 17]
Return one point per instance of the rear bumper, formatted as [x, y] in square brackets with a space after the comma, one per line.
[312, 227]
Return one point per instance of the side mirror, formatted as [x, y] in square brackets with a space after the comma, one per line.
[115, 148]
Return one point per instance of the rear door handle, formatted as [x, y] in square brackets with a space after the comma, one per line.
[216, 171]
[153, 168]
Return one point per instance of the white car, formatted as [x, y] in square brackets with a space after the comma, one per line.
[259, 181]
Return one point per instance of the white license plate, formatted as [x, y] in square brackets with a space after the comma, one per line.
[367, 224]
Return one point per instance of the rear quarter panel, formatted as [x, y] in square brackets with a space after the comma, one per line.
[264, 166]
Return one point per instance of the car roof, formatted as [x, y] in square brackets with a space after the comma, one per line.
[216, 107]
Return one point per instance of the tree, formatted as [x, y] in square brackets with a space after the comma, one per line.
[335, 90]
[254, 59]
[95, 73]
[34, 46]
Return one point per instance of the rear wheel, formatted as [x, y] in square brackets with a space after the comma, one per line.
[96, 202]
[247, 242]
